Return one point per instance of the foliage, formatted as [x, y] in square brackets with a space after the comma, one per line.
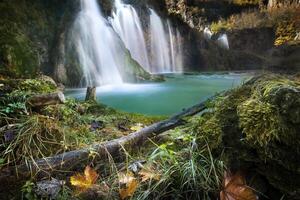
[285, 32]
[36, 86]
[257, 124]
[14, 102]
[27, 190]
[284, 18]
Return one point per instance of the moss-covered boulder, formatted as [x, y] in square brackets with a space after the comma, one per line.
[258, 126]
[134, 72]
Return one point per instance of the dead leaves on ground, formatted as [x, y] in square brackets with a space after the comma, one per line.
[235, 188]
[148, 174]
[129, 183]
[84, 181]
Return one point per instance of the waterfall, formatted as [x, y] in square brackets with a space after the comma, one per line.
[98, 47]
[166, 53]
[207, 33]
[175, 49]
[223, 41]
[127, 24]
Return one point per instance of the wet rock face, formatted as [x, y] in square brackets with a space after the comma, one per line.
[30, 33]
[257, 40]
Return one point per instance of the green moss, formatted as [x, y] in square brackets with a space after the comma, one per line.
[257, 126]
[260, 121]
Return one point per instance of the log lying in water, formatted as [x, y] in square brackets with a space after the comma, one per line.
[46, 99]
[69, 160]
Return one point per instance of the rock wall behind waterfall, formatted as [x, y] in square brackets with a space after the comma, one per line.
[30, 33]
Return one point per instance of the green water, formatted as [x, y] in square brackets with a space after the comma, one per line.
[165, 98]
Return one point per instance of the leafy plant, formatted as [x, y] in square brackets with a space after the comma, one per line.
[28, 191]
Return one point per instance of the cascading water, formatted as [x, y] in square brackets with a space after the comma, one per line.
[166, 53]
[207, 33]
[98, 47]
[127, 24]
[175, 49]
[223, 41]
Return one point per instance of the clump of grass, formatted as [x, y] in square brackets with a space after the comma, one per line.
[38, 136]
[188, 169]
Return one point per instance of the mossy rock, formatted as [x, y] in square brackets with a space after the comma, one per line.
[258, 124]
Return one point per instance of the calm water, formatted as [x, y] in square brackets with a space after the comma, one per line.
[166, 98]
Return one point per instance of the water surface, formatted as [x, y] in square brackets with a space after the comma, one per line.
[165, 98]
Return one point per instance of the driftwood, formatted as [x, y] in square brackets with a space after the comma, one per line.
[46, 99]
[69, 160]
[90, 93]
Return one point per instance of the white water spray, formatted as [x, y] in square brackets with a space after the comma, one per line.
[98, 47]
[127, 24]
[207, 33]
[223, 41]
[166, 54]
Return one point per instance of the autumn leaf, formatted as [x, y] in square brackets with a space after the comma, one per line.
[235, 188]
[125, 178]
[147, 174]
[84, 181]
[129, 190]
[130, 183]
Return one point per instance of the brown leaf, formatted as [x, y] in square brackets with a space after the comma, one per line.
[84, 181]
[126, 178]
[131, 187]
[148, 174]
[235, 188]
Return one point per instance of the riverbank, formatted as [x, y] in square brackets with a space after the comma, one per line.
[250, 130]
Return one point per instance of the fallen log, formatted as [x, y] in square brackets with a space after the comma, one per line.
[71, 159]
[46, 99]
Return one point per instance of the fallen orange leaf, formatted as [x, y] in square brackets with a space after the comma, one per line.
[129, 190]
[84, 181]
[125, 178]
[235, 188]
[147, 174]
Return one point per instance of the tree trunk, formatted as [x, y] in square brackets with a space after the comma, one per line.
[46, 99]
[90, 93]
